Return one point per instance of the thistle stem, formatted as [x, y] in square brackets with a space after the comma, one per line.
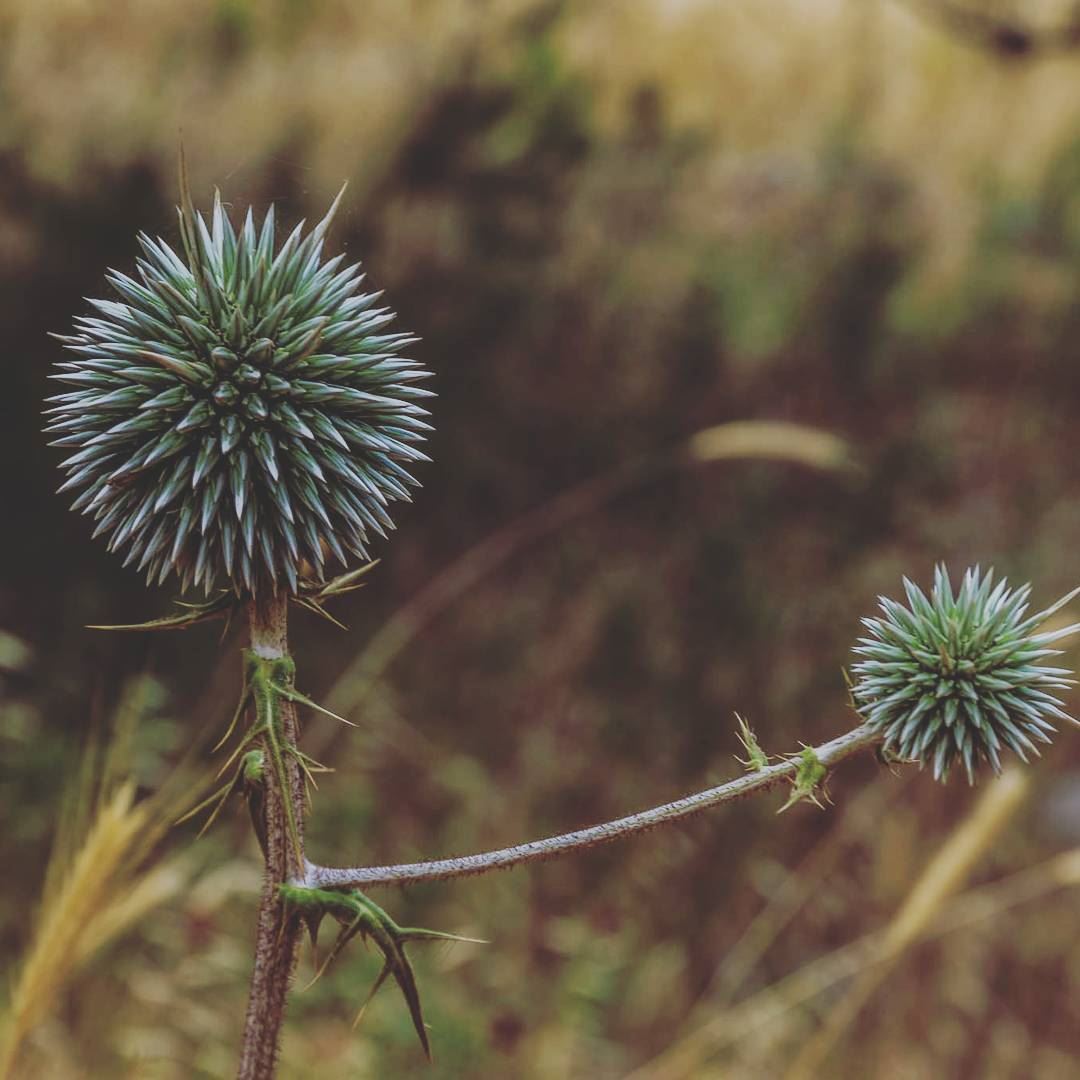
[828, 754]
[277, 934]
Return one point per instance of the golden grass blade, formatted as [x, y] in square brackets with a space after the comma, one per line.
[930, 911]
[944, 875]
[67, 914]
[158, 886]
[92, 893]
[771, 440]
[786, 902]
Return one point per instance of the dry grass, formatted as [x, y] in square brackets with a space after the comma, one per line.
[746, 440]
[746, 1022]
[242, 80]
[70, 921]
[769, 84]
[772, 81]
[944, 875]
[929, 910]
[98, 883]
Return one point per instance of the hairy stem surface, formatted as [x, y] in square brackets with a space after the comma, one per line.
[828, 754]
[277, 934]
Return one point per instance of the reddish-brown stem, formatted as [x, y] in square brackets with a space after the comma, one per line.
[277, 935]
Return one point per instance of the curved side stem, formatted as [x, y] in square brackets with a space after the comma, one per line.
[738, 440]
[827, 755]
[277, 936]
[355, 683]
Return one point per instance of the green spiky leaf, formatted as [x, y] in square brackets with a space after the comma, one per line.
[357, 914]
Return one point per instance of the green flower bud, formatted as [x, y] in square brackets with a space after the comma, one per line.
[960, 677]
[238, 412]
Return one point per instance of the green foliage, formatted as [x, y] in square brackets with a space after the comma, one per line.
[957, 677]
[756, 758]
[359, 915]
[808, 780]
[267, 682]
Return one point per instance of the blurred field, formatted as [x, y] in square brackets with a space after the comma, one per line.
[615, 225]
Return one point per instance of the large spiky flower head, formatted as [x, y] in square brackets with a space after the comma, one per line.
[237, 416]
[957, 677]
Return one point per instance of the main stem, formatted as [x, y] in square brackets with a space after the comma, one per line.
[277, 934]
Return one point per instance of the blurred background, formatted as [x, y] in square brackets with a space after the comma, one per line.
[615, 225]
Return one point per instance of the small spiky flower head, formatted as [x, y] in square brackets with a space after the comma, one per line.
[237, 415]
[960, 676]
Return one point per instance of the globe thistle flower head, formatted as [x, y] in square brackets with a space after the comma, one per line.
[238, 413]
[957, 677]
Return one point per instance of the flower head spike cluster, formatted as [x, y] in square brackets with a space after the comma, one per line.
[238, 415]
[960, 676]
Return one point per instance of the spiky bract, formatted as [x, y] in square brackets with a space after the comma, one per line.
[957, 677]
[237, 413]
